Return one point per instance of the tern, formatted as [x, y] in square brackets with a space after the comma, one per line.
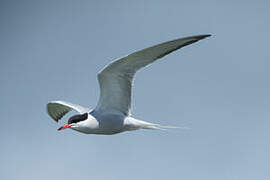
[112, 114]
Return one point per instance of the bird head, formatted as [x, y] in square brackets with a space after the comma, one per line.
[74, 120]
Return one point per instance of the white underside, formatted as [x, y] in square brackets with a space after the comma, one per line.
[111, 123]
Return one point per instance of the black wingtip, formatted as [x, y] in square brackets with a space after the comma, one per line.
[208, 35]
[203, 36]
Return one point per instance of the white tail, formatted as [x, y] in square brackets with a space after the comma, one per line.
[146, 125]
[160, 127]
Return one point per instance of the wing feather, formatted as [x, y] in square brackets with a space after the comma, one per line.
[115, 80]
[58, 109]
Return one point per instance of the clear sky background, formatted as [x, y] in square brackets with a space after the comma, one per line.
[219, 87]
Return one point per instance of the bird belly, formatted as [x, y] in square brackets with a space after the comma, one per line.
[105, 124]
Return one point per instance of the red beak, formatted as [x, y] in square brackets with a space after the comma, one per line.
[64, 127]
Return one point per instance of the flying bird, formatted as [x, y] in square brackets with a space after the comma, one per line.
[113, 111]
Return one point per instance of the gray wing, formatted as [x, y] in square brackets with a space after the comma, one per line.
[115, 80]
[57, 109]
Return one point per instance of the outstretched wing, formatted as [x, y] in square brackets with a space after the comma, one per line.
[57, 109]
[115, 80]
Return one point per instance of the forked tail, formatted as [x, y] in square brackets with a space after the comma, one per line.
[146, 125]
[160, 127]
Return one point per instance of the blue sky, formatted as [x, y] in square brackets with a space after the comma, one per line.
[218, 87]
